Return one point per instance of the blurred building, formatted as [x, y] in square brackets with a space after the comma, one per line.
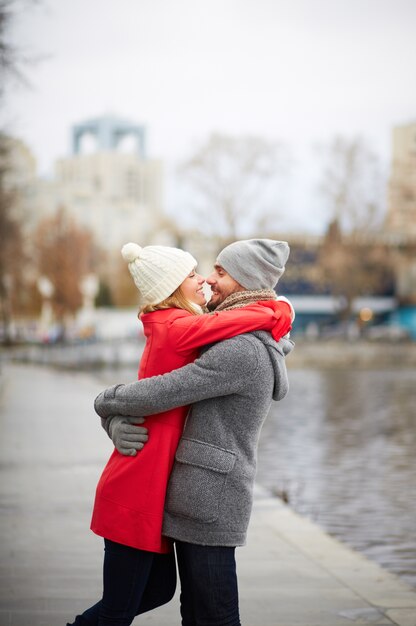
[400, 227]
[401, 215]
[108, 185]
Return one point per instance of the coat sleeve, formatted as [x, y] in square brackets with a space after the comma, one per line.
[188, 333]
[224, 369]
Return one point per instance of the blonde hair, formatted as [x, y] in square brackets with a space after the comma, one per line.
[175, 301]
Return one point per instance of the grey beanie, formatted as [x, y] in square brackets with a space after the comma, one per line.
[255, 263]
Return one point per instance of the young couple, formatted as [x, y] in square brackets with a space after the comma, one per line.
[188, 475]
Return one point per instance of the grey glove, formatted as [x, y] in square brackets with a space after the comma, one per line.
[127, 437]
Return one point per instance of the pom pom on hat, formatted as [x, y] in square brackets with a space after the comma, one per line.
[130, 252]
[157, 271]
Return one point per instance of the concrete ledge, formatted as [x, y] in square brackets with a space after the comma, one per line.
[359, 354]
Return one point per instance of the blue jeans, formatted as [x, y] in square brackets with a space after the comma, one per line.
[135, 581]
[209, 591]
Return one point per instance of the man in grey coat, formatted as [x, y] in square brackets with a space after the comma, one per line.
[230, 387]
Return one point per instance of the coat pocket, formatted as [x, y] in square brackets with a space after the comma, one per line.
[198, 480]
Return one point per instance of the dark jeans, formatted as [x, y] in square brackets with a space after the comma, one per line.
[209, 591]
[135, 581]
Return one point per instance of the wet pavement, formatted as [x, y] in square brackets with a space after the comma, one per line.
[52, 453]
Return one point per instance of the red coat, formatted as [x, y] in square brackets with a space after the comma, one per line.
[130, 494]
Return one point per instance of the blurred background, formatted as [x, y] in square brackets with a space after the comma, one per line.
[193, 124]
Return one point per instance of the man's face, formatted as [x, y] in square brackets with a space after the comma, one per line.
[222, 286]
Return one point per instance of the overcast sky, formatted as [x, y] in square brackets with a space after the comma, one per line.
[297, 70]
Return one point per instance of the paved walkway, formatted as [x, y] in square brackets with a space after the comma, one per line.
[52, 452]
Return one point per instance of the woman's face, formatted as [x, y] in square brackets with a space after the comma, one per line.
[192, 288]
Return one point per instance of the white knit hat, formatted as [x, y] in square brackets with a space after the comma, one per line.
[157, 270]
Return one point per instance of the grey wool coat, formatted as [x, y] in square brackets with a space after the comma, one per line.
[230, 387]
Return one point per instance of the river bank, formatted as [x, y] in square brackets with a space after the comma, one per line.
[340, 448]
[323, 353]
[358, 353]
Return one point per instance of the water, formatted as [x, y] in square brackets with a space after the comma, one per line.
[341, 448]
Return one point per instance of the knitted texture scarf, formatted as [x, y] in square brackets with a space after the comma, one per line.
[241, 298]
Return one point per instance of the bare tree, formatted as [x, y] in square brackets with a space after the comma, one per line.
[123, 290]
[13, 60]
[12, 249]
[65, 254]
[354, 265]
[8, 60]
[236, 180]
[353, 260]
[11, 246]
[353, 185]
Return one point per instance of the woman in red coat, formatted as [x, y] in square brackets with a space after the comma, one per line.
[139, 564]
